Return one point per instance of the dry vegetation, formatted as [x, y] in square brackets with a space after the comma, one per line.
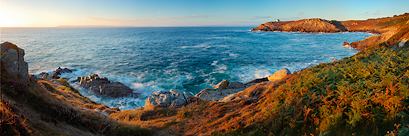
[39, 107]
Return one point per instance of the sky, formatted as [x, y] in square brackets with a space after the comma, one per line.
[169, 13]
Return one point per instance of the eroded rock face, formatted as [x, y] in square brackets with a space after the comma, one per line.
[173, 98]
[105, 87]
[219, 93]
[305, 25]
[279, 74]
[12, 60]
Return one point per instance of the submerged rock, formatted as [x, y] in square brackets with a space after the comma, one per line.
[56, 74]
[173, 98]
[105, 87]
[12, 60]
[279, 74]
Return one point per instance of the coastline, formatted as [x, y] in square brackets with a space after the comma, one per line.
[346, 94]
[385, 28]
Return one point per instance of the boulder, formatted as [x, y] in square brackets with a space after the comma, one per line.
[105, 87]
[12, 60]
[173, 98]
[345, 43]
[222, 84]
[279, 74]
[219, 93]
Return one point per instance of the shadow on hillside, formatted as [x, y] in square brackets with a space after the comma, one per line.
[338, 25]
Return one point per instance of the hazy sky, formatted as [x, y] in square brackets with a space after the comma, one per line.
[50, 13]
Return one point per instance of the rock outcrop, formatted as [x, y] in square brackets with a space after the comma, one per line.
[255, 81]
[223, 84]
[254, 91]
[345, 43]
[173, 98]
[12, 60]
[279, 74]
[306, 25]
[386, 27]
[55, 74]
[221, 92]
[105, 87]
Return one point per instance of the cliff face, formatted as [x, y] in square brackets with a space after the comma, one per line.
[385, 27]
[12, 60]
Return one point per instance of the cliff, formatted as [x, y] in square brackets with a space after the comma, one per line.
[385, 27]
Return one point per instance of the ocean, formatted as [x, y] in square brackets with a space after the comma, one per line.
[149, 59]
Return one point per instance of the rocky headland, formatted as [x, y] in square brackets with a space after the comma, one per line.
[385, 28]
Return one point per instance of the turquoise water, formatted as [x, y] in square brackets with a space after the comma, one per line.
[149, 59]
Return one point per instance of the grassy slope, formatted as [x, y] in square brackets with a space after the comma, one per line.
[39, 107]
[366, 94]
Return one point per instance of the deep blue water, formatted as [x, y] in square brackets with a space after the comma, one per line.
[162, 58]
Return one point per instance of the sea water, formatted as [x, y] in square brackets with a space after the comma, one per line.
[149, 59]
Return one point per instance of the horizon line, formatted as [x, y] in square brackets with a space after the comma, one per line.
[96, 26]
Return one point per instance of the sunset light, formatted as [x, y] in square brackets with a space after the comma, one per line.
[204, 67]
[6, 20]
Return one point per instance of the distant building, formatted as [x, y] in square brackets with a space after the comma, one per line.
[278, 20]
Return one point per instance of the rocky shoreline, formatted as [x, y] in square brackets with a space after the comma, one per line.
[94, 83]
[324, 97]
[225, 91]
[384, 27]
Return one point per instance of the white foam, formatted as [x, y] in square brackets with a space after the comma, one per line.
[214, 63]
[233, 55]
